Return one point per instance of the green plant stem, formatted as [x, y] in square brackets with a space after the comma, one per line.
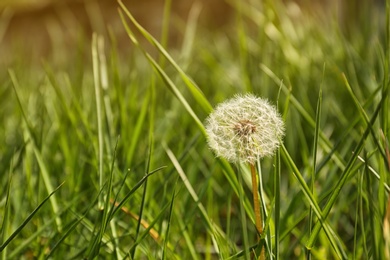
[256, 205]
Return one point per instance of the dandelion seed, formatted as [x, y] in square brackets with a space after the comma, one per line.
[244, 129]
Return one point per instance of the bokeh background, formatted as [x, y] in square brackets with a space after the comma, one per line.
[35, 28]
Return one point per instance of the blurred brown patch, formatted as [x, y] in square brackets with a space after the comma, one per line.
[35, 28]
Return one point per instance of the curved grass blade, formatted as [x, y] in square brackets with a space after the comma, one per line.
[134, 189]
[333, 239]
[194, 89]
[27, 220]
[364, 115]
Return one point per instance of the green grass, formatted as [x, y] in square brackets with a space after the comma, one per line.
[105, 155]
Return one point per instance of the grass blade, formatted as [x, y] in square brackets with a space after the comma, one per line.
[194, 196]
[106, 210]
[277, 204]
[97, 86]
[164, 255]
[194, 89]
[134, 189]
[313, 203]
[313, 172]
[5, 222]
[27, 220]
[343, 179]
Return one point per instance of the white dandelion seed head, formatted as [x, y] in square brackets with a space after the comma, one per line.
[244, 128]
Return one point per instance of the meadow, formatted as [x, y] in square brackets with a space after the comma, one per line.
[104, 153]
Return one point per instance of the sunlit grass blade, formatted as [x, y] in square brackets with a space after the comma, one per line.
[194, 89]
[99, 115]
[165, 78]
[27, 220]
[106, 88]
[189, 36]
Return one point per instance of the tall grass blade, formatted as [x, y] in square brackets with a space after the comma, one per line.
[187, 237]
[371, 216]
[314, 170]
[243, 216]
[99, 109]
[277, 199]
[142, 204]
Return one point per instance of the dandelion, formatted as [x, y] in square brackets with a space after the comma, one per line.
[245, 129]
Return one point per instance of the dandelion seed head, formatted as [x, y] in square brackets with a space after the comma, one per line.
[244, 128]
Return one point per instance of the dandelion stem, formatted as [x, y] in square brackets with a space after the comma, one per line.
[256, 205]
